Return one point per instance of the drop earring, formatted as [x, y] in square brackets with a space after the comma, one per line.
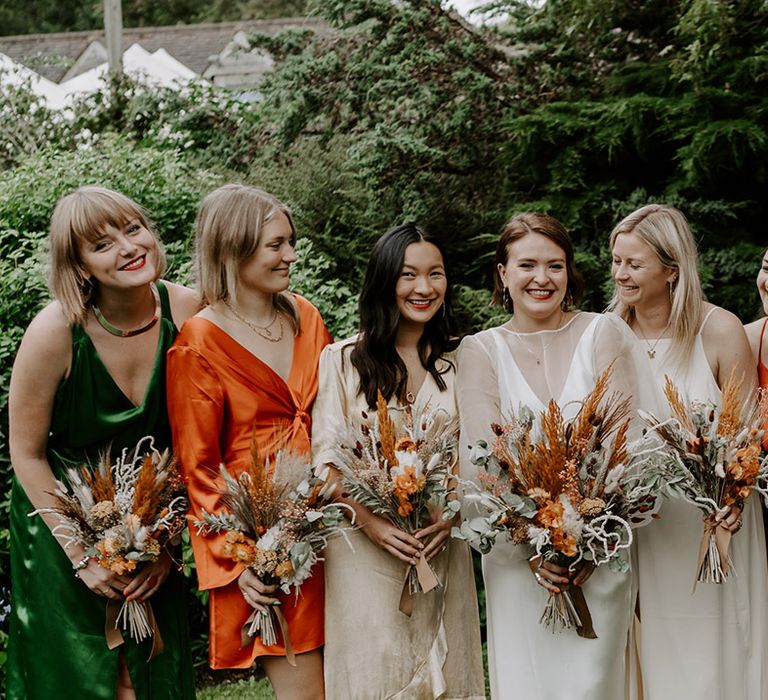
[506, 300]
[86, 288]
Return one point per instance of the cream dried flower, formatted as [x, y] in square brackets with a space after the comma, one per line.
[104, 515]
[591, 507]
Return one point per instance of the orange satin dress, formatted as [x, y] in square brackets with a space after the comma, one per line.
[218, 393]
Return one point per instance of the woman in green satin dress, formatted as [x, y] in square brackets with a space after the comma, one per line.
[89, 377]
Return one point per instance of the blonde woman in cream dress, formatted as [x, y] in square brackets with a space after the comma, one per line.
[404, 349]
[711, 644]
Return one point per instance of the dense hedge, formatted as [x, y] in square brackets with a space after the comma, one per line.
[585, 109]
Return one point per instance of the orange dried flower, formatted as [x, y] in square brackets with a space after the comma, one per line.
[564, 542]
[284, 570]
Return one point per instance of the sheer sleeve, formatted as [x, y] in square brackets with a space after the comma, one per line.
[477, 394]
[331, 406]
[632, 374]
[195, 410]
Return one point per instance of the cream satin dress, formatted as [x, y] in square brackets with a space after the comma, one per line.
[711, 644]
[372, 650]
[500, 370]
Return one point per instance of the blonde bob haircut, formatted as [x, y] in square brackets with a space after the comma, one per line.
[227, 232]
[82, 217]
[666, 230]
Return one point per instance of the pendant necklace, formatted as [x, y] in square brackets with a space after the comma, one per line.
[652, 347]
[262, 331]
[119, 332]
[544, 347]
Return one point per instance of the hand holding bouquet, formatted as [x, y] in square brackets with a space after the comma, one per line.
[277, 527]
[712, 459]
[402, 474]
[123, 514]
[567, 489]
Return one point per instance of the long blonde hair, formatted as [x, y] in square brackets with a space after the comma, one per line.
[81, 217]
[666, 230]
[227, 232]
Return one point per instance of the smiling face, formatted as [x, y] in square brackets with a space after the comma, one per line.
[121, 257]
[641, 279]
[421, 287]
[762, 282]
[537, 279]
[268, 269]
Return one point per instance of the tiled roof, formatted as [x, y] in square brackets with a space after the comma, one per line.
[51, 55]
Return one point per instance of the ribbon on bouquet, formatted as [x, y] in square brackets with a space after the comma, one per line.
[148, 625]
[427, 582]
[247, 631]
[585, 628]
[722, 541]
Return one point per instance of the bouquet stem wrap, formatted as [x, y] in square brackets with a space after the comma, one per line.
[569, 609]
[263, 624]
[713, 564]
[138, 619]
[419, 577]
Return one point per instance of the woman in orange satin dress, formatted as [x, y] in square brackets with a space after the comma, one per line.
[247, 365]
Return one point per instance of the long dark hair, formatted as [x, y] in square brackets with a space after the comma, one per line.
[374, 355]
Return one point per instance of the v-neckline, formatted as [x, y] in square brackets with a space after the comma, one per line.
[159, 353]
[285, 381]
[559, 398]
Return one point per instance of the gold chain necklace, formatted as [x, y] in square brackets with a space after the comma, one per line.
[544, 346]
[262, 331]
[652, 347]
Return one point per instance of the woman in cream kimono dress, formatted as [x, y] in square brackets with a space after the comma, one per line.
[372, 650]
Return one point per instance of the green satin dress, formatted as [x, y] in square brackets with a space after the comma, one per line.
[57, 647]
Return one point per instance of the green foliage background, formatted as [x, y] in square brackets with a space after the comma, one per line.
[585, 109]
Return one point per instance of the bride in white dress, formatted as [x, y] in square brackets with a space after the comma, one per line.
[544, 352]
[711, 644]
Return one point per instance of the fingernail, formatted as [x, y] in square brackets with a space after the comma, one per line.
[128, 599]
[141, 600]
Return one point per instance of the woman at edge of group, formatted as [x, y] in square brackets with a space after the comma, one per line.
[710, 644]
[404, 349]
[246, 366]
[756, 336]
[90, 376]
[545, 351]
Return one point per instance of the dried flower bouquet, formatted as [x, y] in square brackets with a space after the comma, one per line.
[403, 474]
[278, 526]
[712, 459]
[123, 513]
[569, 490]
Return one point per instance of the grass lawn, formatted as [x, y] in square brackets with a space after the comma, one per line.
[251, 689]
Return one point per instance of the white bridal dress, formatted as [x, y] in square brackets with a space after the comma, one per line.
[372, 650]
[500, 370]
[711, 644]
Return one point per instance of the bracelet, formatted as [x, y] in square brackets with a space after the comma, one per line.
[80, 565]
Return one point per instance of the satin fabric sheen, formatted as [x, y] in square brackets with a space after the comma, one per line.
[57, 646]
[219, 394]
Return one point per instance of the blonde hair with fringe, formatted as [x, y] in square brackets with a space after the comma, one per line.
[81, 217]
[227, 232]
[666, 230]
